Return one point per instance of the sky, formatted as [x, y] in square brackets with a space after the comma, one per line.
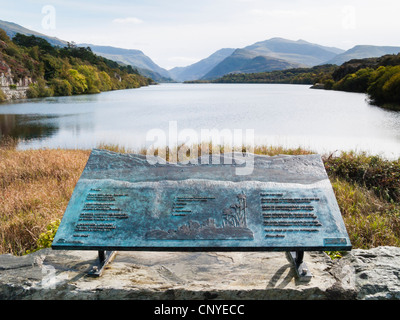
[181, 32]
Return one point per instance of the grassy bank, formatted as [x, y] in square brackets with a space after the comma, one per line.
[36, 185]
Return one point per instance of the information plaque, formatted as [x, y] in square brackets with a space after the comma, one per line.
[123, 202]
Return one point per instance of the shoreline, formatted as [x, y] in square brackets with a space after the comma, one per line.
[19, 94]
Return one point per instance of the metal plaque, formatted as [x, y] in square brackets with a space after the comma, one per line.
[123, 202]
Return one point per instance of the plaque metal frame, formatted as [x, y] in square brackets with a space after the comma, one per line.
[302, 271]
[103, 259]
[123, 203]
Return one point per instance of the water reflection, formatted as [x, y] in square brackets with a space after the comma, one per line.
[27, 127]
[289, 116]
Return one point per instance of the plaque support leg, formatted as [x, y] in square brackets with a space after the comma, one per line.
[105, 257]
[302, 271]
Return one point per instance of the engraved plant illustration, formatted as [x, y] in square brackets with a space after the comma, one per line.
[235, 216]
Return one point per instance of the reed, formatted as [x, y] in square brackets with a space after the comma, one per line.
[35, 187]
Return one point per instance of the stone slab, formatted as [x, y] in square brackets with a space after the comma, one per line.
[50, 274]
[47, 274]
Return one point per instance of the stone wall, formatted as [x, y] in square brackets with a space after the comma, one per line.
[46, 274]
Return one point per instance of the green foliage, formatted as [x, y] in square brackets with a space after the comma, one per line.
[4, 36]
[33, 41]
[313, 75]
[61, 87]
[105, 81]
[370, 220]
[334, 254]
[52, 66]
[92, 78]
[46, 238]
[329, 84]
[64, 71]
[2, 95]
[39, 90]
[11, 51]
[355, 82]
[375, 173]
[378, 77]
[385, 85]
[78, 81]
[34, 52]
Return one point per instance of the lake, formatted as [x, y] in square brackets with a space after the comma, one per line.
[284, 115]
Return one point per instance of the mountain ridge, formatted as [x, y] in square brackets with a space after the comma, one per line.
[199, 69]
[267, 55]
[300, 51]
[12, 29]
[245, 61]
[132, 57]
[362, 52]
[272, 55]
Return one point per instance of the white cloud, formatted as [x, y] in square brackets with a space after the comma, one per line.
[129, 20]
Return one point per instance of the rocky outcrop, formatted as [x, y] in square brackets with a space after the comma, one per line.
[13, 89]
[15, 93]
[375, 272]
[47, 274]
[318, 86]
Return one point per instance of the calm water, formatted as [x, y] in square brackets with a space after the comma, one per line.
[286, 115]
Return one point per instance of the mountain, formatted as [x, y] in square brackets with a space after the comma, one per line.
[199, 69]
[299, 51]
[12, 29]
[133, 57]
[245, 61]
[273, 54]
[363, 51]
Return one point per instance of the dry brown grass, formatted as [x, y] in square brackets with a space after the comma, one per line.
[370, 221]
[35, 187]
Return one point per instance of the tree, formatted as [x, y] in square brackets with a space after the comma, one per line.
[92, 78]
[61, 87]
[78, 82]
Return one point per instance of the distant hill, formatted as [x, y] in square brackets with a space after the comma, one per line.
[132, 57]
[273, 54]
[300, 51]
[201, 68]
[245, 61]
[12, 29]
[363, 51]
